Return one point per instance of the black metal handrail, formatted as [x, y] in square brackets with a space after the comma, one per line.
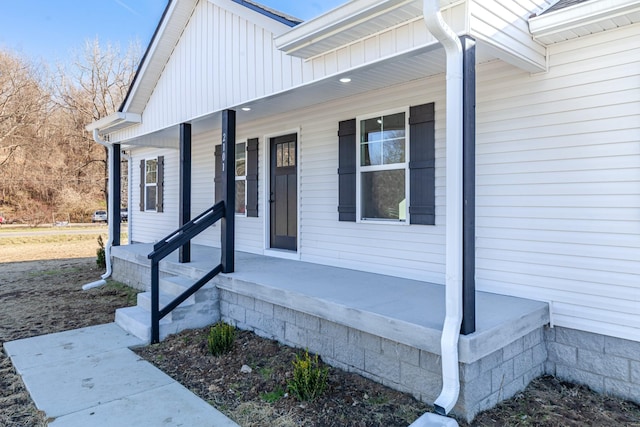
[168, 245]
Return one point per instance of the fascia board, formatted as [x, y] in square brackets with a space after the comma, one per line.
[151, 56]
[580, 15]
[114, 119]
[265, 22]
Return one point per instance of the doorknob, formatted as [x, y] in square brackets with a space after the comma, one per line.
[271, 200]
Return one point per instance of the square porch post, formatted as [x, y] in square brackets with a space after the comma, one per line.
[116, 195]
[469, 186]
[184, 253]
[228, 189]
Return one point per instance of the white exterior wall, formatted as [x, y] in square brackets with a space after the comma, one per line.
[558, 181]
[503, 27]
[224, 55]
[152, 226]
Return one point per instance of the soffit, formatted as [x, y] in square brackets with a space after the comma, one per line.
[347, 23]
[582, 19]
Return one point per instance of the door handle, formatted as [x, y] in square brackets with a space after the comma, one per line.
[271, 200]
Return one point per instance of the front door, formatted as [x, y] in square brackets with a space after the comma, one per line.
[284, 192]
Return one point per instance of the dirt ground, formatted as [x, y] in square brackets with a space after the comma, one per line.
[43, 296]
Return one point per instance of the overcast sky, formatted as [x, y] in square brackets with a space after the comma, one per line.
[51, 29]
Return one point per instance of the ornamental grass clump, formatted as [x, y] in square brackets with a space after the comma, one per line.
[221, 338]
[309, 378]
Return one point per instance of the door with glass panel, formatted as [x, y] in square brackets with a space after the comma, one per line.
[283, 198]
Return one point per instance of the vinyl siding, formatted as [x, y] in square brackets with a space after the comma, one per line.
[223, 54]
[503, 26]
[558, 182]
[153, 226]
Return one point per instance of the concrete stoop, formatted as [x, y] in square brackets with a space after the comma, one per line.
[199, 310]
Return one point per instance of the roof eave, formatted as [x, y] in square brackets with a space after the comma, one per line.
[579, 15]
[113, 122]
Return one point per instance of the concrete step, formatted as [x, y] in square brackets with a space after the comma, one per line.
[144, 301]
[137, 322]
[197, 311]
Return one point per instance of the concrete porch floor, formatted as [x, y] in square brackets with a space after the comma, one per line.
[407, 311]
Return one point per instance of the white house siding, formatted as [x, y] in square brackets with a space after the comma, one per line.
[415, 251]
[558, 181]
[202, 184]
[222, 59]
[249, 233]
[405, 37]
[152, 226]
[503, 26]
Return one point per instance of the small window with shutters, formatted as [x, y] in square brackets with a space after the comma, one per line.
[246, 177]
[152, 184]
[386, 170]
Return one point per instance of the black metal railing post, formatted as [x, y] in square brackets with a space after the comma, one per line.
[155, 301]
[228, 189]
[184, 254]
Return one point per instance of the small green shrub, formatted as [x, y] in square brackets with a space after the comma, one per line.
[221, 338]
[309, 378]
[101, 260]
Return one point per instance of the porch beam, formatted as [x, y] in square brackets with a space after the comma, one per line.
[469, 186]
[116, 194]
[184, 253]
[228, 190]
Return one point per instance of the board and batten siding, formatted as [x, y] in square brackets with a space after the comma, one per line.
[222, 59]
[558, 182]
[150, 226]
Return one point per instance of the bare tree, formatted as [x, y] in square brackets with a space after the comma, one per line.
[93, 87]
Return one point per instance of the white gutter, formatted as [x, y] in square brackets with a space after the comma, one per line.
[112, 222]
[453, 256]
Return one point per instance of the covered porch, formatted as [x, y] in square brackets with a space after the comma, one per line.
[383, 327]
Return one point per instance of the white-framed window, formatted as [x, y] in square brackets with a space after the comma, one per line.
[241, 179]
[151, 185]
[383, 167]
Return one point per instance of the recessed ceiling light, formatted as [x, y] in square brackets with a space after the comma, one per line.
[345, 80]
[246, 108]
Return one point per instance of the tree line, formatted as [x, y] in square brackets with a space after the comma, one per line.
[49, 163]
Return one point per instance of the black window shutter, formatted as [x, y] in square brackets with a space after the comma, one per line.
[142, 180]
[217, 181]
[347, 170]
[252, 177]
[160, 185]
[422, 164]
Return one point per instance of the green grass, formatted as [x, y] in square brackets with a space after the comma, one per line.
[273, 396]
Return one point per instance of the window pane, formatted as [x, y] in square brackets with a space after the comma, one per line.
[383, 194]
[279, 162]
[292, 154]
[240, 159]
[285, 153]
[150, 202]
[240, 197]
[382, 140]
[394, 151]
[151, 169]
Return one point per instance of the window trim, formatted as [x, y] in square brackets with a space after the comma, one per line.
[374, 168]
[242, 177]
[154, 184]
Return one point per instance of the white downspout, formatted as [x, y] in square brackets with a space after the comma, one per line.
[453, 282]
[112, 222]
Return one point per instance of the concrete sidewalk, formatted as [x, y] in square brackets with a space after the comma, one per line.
[89, 377]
